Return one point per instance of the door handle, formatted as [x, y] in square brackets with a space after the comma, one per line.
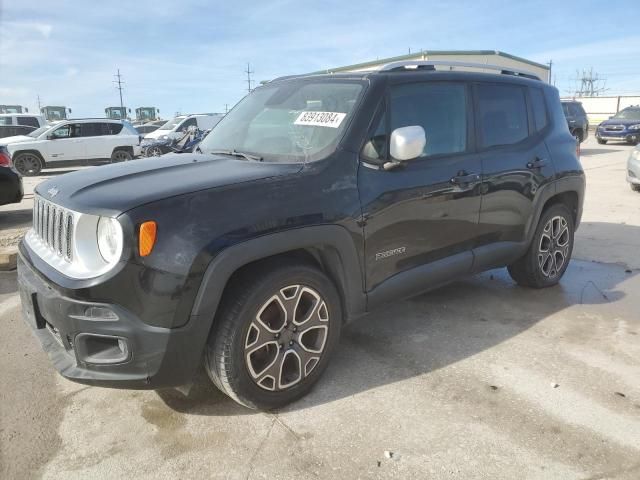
[464, 178]
[537, 163]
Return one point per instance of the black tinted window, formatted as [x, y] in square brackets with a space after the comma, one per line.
[30, 121]
[376, 147]
[503, 114]
[539, 108]
[439, 108]
[111, 128]
[90, 129]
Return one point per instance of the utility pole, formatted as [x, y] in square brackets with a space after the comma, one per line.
[39, 104]
[119, 83]
[249, 81]
[550, 67]
[226, 108]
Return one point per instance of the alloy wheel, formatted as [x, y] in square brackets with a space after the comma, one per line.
[553, 249]
[287, 338]
[27, 164]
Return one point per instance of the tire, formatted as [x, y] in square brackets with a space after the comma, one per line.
[635, 187]
[154, 151]
[601, 142]
[258, 358]
[578, 135]
[538, 268]
[28, 164]
[121, 156]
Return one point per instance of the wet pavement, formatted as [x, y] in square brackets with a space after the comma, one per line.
[479, 379]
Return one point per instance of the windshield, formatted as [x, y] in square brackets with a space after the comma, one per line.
[39, 131]
[172, 123]
[290, 121]
[629, 114]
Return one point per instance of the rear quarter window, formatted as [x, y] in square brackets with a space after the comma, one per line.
[29, 121]
[539, 108]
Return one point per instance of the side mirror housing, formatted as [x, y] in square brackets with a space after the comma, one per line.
[407, 143]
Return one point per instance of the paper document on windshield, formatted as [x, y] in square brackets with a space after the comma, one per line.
[320, 119]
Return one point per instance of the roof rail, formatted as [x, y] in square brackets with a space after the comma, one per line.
[429, 65]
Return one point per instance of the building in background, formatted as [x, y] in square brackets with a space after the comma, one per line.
[601, 108]
[491, 57]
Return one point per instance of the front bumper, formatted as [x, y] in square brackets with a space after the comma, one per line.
[633, 171]
[84, 347]
[622, 136]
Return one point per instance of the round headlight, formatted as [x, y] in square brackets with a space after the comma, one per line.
[109, 239]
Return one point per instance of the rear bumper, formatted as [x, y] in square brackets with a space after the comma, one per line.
[112, 348]
[11, 188]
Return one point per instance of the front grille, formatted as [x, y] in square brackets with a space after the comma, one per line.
[54, 226]
[614, 128]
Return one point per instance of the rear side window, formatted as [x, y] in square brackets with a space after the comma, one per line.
[439, 108]
[502, 111]
[539, 108]
[110, 128]
[29, 121]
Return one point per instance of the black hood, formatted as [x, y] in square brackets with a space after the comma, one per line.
[114, 189]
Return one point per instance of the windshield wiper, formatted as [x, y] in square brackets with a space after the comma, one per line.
[236, 153]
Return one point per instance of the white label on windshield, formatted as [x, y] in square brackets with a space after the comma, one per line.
[320, 119]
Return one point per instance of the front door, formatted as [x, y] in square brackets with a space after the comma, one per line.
[66, 143]
[422, 215]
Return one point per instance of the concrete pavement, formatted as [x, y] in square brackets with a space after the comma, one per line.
[479, 379]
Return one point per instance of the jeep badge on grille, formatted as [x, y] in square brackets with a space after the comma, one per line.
[53, 191]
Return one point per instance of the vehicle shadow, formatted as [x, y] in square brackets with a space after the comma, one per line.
[411, 338]
[590, 152]
[11, 219]
[56, 172]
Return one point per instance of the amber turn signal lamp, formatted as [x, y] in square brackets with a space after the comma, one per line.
[147, 238]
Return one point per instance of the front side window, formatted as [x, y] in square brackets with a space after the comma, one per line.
[439, 108]
[188, 123]
[502, 111]
[64, 131]
[288, 121]
[171, 124]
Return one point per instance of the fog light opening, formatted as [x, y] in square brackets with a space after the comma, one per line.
[101, 349]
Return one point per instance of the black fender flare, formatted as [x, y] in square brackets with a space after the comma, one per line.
[336, 247]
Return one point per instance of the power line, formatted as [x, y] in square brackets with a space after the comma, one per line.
[589, 84]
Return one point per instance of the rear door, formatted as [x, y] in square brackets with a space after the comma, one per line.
[424, 213]
[512, 122]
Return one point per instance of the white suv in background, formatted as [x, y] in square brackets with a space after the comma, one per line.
[179, 125]
[73, 141]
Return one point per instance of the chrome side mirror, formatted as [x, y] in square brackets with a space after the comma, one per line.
[407, 143]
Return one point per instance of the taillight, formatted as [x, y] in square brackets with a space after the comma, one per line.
[5, 159]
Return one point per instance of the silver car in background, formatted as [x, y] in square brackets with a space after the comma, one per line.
[633, 169]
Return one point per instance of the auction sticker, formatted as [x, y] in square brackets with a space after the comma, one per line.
[320, 119]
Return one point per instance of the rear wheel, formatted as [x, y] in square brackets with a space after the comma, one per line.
[121, 156]
[28, 164]
[550, 251]
[274, 335]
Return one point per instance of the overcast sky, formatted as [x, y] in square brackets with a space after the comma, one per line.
[190, 56]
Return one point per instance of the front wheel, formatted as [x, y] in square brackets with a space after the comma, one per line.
[28, 164]
[635, 187]
[121, 156]
[274, 335]
[548, 256]
[601, 141]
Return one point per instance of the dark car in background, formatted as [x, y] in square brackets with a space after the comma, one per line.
[11, 190]
[576, 119]
[622, 127]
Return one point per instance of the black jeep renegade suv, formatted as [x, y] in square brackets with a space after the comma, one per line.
[315, 200]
